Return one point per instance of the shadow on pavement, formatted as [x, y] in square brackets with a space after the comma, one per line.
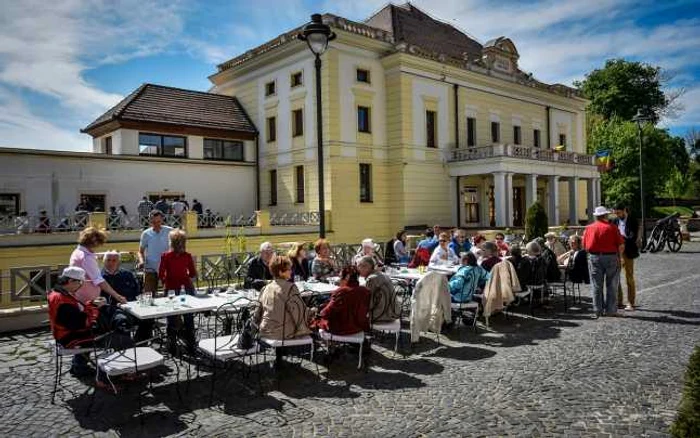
[462, 353]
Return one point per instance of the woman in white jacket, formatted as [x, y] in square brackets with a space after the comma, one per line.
[443, 254]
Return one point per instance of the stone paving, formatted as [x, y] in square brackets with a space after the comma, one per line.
[555, 374]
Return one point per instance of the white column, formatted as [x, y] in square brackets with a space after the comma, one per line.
[591, 204]
[530, 190]
[553, 188]
[573, 200]
[499, 195]
[598, 195]
[509, 199]
[484, 205]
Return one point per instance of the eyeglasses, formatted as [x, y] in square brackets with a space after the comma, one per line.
[443, 241]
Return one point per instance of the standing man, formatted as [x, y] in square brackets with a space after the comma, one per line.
[197, 207]
[630, 231]
[144, 208]
[154, 242]
[605, 246]
[162, 205]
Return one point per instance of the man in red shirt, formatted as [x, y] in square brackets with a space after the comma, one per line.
[604, 245]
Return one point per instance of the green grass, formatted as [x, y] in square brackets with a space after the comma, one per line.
[660, 212]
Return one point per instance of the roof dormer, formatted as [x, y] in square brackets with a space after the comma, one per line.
[500, 54]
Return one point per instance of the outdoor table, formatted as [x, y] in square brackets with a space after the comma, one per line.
[164, 307]
[444, 269]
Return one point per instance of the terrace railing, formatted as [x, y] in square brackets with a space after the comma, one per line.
[296, 218]
[517, 151]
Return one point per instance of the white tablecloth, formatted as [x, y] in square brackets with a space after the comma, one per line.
[163, 307]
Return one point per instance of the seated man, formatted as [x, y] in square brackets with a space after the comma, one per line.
[490, 255]
[554, 244]
[383, 304]
[460, 243]
[550, 261]
[75, 325]
[258, 269]
[430, 242]
[125, 282]
[467, 280]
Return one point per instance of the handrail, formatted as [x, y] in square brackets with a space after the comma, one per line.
[517, 151]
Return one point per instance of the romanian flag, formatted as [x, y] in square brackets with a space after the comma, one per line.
[604, 161]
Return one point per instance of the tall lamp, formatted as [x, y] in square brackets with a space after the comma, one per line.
[640, 118]
[317, 35]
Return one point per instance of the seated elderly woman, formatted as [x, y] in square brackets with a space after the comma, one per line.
[323, 265]
[575, 261]
[538, 266]
[554, 244]
[367, 250]
[443, 254]
[258, 268]
[476, 244]
[490, 255]
[550, 261]
[467, 280]
[383, 304]
[347, 311]
[282, 313]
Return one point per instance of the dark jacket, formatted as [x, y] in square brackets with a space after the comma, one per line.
[631, 236]
[551, 265]
[578, 268]
[389, 255]
[523, 268]
[347, 311]
[302, 269]
[258, 274]
[123, 282]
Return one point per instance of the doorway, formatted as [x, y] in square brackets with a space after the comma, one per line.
[518, 207]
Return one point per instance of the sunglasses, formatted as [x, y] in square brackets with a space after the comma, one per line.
[443, 241]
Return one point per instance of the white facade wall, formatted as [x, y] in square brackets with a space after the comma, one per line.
[55, 181]
[564, 122]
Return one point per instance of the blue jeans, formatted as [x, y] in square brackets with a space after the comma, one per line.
[605, 272]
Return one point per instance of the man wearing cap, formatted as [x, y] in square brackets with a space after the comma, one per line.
[75, 324]
[605, 246]
[259, 267]
[154, 242]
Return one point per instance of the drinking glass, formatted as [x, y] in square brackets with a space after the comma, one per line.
[139, 300]
[148, 299]
[171, 297]
[297, 278]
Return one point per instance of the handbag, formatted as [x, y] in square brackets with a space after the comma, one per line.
[246, 336]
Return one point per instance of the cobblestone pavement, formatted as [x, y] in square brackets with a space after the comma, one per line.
[555, 374]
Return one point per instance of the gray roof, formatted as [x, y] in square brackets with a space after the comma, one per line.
[176, 106]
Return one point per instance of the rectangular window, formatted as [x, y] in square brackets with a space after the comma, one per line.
[430, 129]
[270, 88]
[297, 123]
[363, 119]
[297, 79]
[108, 145]
[227, 150]
[273, 187]
[9, 204]
[536, 138]
[562, 140]
[365, 183]
[495, 132]
[271, 129]
[471, 131]
[471, 205]
[517, 135]
[162, 145]
[300, 184]
[363, 76]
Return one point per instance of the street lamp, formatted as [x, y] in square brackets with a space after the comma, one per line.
[641, 118]
[317, 35]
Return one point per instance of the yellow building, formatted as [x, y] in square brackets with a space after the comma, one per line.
[421, 125]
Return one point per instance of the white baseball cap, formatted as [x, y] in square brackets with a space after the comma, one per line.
[601, 211]
[74, 273]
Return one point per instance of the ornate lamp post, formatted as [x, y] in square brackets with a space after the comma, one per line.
[640, 118]
[317, 35]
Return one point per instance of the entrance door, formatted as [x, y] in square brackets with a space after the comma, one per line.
[518, 207]
[470, 206]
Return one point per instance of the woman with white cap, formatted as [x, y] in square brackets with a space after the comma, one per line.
[368, 250]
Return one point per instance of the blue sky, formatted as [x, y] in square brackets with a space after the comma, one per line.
[63, 63]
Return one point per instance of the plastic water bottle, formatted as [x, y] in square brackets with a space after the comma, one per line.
[182, 294]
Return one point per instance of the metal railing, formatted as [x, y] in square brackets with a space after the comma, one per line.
[297, 218]
[517, 151]
[43, 224]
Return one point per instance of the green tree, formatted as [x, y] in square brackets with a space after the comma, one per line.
[621, 185]
[687, 422]
[536, 222]
[677, 185]
[622, 87]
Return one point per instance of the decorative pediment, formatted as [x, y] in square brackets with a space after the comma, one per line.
[501, 54]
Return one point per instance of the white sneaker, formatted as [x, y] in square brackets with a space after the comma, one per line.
[629, 308]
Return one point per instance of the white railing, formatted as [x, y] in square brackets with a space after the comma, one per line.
[517, 151]
[43, 224]
[297, 218]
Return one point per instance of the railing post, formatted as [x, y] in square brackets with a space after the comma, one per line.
[189, 223]
[263, 221]
[98, 220]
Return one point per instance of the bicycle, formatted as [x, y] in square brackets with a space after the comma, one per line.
[666, 232]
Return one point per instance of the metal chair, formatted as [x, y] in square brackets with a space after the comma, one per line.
[59, 352]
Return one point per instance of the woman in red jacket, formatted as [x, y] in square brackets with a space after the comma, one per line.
[347, 311]
[177, 271]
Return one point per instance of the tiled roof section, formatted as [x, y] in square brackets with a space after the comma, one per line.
[413, 26]
[160, 104]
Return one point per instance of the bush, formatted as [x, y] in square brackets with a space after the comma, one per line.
[660, 212]
[687, 422]
[536, 222]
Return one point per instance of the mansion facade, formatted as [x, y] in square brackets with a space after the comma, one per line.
[421, 125]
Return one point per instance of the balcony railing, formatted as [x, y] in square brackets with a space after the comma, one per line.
[298, 218]
[518, 151]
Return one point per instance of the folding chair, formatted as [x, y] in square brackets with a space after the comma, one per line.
[355, 338]
[459, 309]
[229, 320]
[59, 352]
[394, 326]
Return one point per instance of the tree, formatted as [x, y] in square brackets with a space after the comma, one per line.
[677, 185]
[622, 184]
[692, 141]
[536, 223]
[687, 422]
[622, 87]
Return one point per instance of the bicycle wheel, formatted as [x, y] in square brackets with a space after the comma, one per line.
[674, 240]
[654, 240]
